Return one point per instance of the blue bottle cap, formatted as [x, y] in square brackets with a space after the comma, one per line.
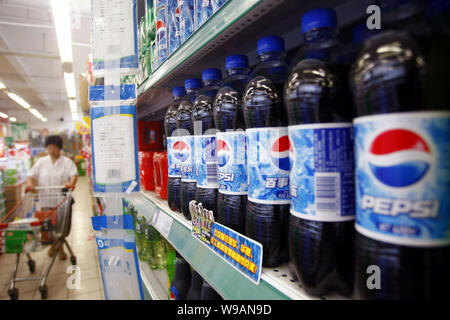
[192, 83]
[178, 91]
[236, 61]
[270, 43]
[212, 74]
[319, 18]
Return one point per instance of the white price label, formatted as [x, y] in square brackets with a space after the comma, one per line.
[162, 222]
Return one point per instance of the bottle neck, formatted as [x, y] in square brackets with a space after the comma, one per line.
[320, 35]
[191, 92]
[237, 71]
[271, 56]
[211, 83]
[177, 98]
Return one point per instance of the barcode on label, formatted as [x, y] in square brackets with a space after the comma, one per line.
[211, 173]
[114, 173]
[327, 192]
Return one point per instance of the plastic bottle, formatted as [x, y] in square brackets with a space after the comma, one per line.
[208, 293]
[182, 279]
[170, 264]
[195, 289]
[184, 121]
[400, 86]
[268, 162]
[321, 232]
[205, 141]
[176, 150]
[231, 146]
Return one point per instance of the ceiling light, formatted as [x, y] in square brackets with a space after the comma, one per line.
[61, 18]
[74, 116]
[19, 100]
[3, 115]
[73, 105]
[12, 119]
[36, 113]
[69, 79]
[44, 119]
[2, 86]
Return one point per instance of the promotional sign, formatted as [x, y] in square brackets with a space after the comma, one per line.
[243, 253]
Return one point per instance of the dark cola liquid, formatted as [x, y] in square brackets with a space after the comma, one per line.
[321, 252]
[263, 107]
[227, 111]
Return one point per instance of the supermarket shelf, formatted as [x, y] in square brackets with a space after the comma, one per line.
[235, 28]
[275, 284]
[154, 282]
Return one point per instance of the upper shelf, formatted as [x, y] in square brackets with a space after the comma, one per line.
[275, 284]
[234, 29]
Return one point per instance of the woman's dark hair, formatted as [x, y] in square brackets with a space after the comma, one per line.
[54, 140]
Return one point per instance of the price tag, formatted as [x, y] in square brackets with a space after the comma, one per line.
[162, 222]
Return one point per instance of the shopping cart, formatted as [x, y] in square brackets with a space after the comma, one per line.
[25, 224]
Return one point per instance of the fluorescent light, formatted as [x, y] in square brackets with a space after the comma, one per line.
[44, 119]
[19, 100]
[69, 79]
[73, 105]
[2, 86]
[61, 18]
[36, 113]
[3, 115]
[12, 119]
[74, 116]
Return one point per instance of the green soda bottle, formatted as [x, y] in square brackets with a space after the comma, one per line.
[170, 264]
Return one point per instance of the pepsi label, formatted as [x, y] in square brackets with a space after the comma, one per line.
[232, 162]
[268, 166]
[161, 34]
[205, 161]
[187, 162]
[403, 178]
[322, 179]
[175, 154]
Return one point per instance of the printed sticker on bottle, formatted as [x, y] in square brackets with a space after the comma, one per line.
[322, 178]
[268, 166]
[176, 151]
[187, 162]
[403, 177]
[207, 163]
[232, 162]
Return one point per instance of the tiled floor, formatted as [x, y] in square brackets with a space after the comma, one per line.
[82, 242]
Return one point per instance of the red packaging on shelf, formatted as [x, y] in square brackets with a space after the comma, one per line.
[146, 172]
[161, 174]
[149, 135]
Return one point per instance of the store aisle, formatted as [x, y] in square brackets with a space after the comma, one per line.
[83, 244]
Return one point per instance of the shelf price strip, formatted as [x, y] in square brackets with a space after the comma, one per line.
[243, 253]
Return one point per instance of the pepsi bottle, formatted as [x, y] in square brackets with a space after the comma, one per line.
[186, 127]
[175, 150]
[321, 224]
[182, 279]
[268, 161]
[208, 293]
[231, 145]
[195, 290]
[400, 87]
[205, 141]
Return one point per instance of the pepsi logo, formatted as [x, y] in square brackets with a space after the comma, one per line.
[178, 15]
[279, 153]
[399, 157]
[181, 150]
[223, 153]
[160, 30]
